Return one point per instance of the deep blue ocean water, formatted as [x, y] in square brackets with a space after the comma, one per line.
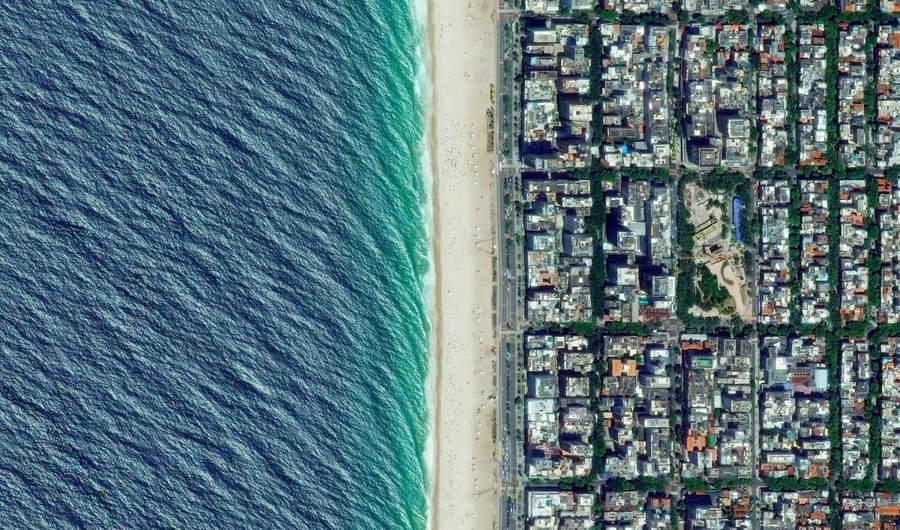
[212, 258]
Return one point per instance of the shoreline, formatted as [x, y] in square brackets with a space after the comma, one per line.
[460, 68]
[429, 168]
[436, 336]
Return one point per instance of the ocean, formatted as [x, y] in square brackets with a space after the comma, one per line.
[214, 265]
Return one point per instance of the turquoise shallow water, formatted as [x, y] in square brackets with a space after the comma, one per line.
[212, 252]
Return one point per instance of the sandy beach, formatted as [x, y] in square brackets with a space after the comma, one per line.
[462, 47]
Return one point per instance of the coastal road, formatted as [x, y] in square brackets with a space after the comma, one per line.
[507, 267]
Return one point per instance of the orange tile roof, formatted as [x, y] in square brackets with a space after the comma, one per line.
[695, 442]
[631, 368]
[615, 368]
